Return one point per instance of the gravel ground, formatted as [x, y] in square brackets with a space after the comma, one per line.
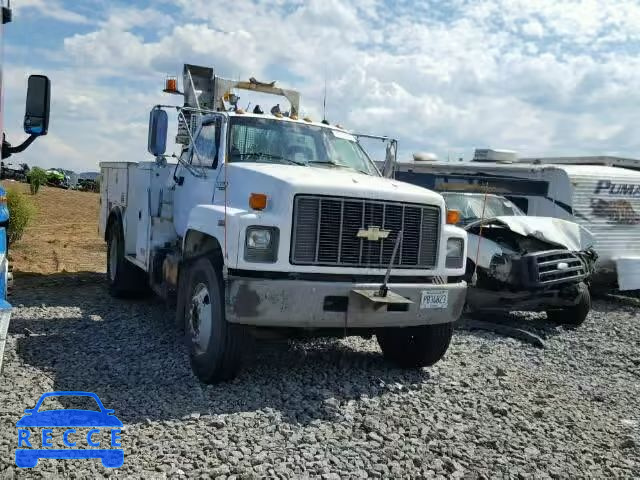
[332, 409]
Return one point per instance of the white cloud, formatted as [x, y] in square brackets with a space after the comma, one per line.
[533, 28]
[542, 76]
[51, 9]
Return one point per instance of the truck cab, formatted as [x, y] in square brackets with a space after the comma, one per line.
[275, 223]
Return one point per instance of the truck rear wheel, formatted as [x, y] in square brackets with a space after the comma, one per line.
[576, 314]
[216, 346]
[415, 347]
[124, 279]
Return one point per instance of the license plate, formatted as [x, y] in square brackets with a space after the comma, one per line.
[434, 299]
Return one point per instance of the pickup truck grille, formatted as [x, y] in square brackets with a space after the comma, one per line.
[556, 266]
[325, 232]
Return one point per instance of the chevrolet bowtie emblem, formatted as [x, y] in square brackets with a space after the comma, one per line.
[373, 234]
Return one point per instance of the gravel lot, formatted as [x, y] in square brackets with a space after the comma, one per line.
[494, 407]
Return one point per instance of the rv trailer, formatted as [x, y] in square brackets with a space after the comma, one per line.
[604, 199]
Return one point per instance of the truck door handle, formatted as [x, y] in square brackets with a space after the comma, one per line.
[180, 180]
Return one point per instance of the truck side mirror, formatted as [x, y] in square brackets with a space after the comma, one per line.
[158, 124]
[36, 116]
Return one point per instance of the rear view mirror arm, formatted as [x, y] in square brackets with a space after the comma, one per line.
[8, 150]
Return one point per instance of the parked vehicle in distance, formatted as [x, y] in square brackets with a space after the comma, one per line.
[57, 178]
[273, 222]
[9, 171]
[523, 263]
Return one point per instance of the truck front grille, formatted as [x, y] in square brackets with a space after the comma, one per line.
[556, 266]
[325, 232]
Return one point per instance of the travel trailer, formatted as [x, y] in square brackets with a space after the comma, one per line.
[602, 198]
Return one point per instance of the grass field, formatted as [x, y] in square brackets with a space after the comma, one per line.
[63, 237]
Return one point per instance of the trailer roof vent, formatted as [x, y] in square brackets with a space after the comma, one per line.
[424, 157]
[495, 155]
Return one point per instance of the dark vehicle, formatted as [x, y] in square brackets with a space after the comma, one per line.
[9, 171]
[524, 263]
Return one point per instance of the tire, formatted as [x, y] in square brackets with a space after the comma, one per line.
[124, 279]
[215, 346]
[575, 315]
[415, 347]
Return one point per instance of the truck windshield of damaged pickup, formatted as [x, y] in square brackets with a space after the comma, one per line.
[475, 206]
[289, 142]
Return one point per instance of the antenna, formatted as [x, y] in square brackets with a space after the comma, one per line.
[324, 100]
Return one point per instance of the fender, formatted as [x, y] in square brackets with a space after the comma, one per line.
[214, 222]
[115, 214]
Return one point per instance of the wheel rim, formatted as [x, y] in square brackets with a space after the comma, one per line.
[200, 316]
[113, 257]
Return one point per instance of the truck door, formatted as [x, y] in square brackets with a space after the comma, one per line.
[195, 183]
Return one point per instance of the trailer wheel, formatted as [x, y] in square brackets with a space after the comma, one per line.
[215, 346]
[576, 314]
[415, 347]
[124, 279]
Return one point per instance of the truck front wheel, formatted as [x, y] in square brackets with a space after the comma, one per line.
[215, 346]
[576, 314]
[415, 347]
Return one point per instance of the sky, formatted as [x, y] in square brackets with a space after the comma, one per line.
[542, 77]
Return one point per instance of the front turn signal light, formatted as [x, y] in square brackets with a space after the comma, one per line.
[453, 217]
[258, 201]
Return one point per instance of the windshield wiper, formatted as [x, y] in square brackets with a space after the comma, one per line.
[268, 155]
[338, 165]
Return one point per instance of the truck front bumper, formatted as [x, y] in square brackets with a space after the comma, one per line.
[324, 304]
[538, 300]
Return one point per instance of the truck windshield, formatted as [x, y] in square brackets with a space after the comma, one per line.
[279, 141]
[471, 206]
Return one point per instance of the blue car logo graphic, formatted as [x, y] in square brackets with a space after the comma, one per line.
[69, 419]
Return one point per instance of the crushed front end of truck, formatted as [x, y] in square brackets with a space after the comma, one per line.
[519, 263]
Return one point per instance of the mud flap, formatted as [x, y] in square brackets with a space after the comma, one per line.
[363, 303]
[5, 317]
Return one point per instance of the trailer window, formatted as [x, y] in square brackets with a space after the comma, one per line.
[204, 153]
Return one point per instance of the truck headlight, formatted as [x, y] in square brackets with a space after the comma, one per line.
[261, 244]
[455, 250]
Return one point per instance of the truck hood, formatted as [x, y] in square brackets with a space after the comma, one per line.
[332, 181]
[556, 231]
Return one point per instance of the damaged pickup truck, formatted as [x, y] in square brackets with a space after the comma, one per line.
[524, 263]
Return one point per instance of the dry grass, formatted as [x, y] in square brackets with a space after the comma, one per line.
[63, 236]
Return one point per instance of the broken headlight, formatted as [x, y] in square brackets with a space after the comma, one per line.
[261, 244]
[455, 251]
[500, 267]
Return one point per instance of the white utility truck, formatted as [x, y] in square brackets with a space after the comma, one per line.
[273, 223]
